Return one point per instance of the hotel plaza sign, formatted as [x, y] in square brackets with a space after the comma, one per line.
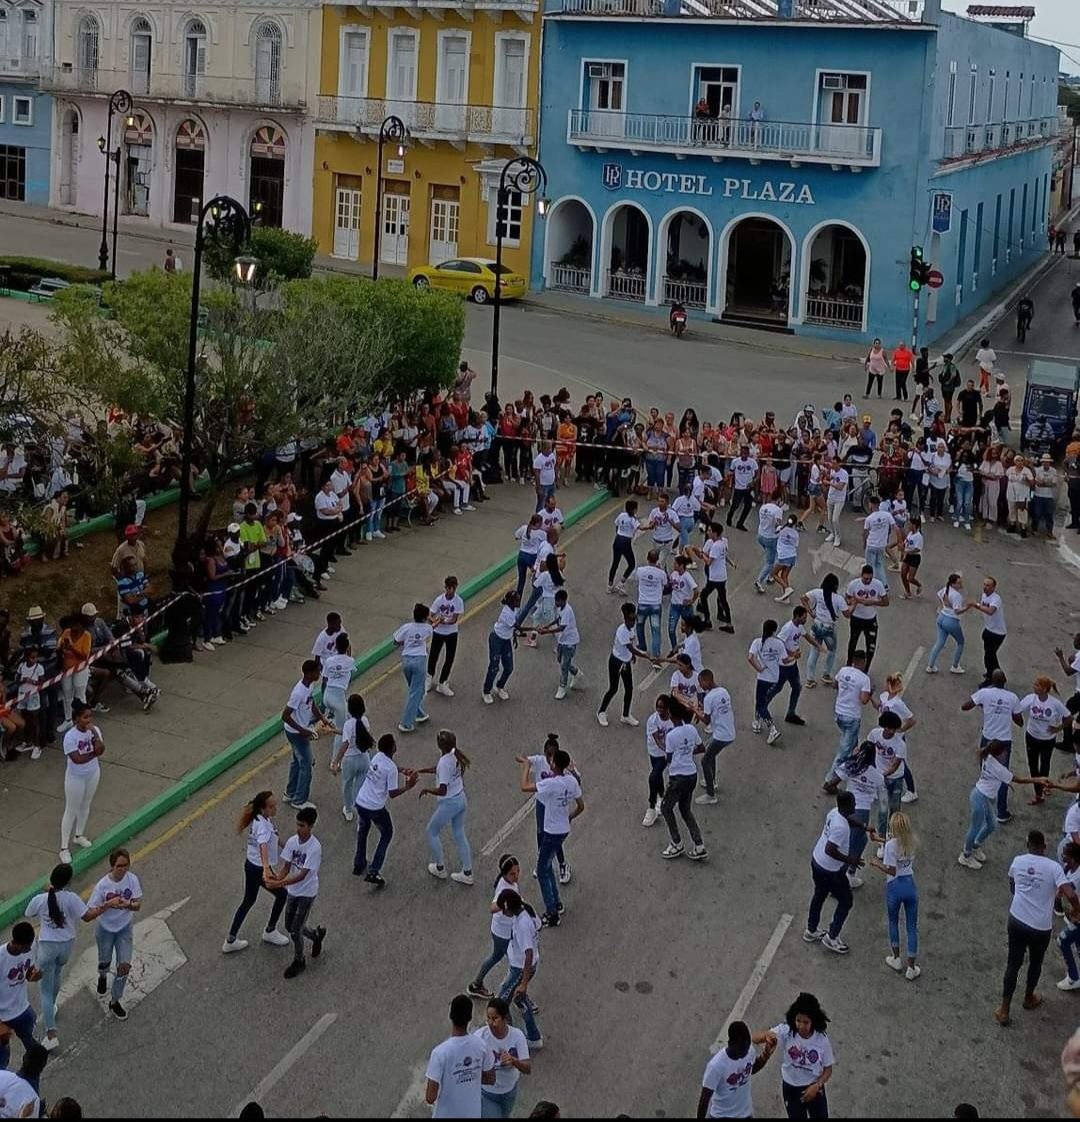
[616, 177]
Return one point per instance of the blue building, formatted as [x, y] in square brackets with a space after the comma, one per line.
[25, 112]
[772, 162]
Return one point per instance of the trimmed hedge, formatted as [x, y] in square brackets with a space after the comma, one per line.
[26, 272]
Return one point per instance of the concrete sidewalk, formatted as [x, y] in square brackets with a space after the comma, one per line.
[221, 696]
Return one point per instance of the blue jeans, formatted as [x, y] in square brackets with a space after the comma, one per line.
[654, 614]
[946, 626]
[525, 562]
[857, 844]
[890, 804]
[510, 983]
[1068, 941]
[542, 492]
[567, 669]
[365, 819]
[768, 548]
[559, 855]
[52, 957]
[763, 693]
[334, 701]
[550, 845]
[110, 945]
[526, 609]
[499, 947]
[849, 738]
[789, 675]
[496, 1105]
[298, 787]
[677, 612]
[23, 1027]
[965, 489]
[450, 811]
[901, 892]
[876, 558]
[414, 667]
[500, 652]
[826, 884]
[353, 770]
[374, 517]
[826, 636]
[685, 526]
[983, 820]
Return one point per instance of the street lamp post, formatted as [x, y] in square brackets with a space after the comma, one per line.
[393, 129]
[527, 177]
[119, 102]
[230, 221]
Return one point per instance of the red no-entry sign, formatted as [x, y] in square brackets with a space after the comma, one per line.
[935, 279]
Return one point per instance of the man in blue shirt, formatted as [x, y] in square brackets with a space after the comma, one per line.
[867, 435]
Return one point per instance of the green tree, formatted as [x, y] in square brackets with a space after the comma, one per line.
[282, 256]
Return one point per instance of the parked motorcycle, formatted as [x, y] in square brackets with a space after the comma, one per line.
[677, 320]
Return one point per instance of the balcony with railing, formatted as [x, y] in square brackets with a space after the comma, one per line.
[834, 311]
[526, 8]
[570, 278]
[965, 141]
[430, 121]
[209, 89]
[724, 138]
[803, 11]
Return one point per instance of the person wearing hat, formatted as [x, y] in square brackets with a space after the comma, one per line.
[131, 546]
[1044, 497]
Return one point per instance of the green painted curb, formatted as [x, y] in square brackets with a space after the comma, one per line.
[12, 908]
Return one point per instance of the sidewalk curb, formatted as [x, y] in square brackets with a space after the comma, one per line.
[202, 774]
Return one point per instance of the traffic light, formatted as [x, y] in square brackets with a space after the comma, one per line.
[919, 270]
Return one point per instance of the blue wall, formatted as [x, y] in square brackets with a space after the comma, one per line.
[36, 137]
[888, 205]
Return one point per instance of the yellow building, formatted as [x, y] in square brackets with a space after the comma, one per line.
[463, 75]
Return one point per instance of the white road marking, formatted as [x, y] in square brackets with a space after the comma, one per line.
[288, 1061]
[413, 1104]
[508, 827]
[829, 554]
[912, 666]
[1039, 354]
[156, 956]
[757, 976]
[1067, 554]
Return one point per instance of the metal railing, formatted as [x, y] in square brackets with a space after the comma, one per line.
[691, 294]
[625, 286]
[604, 128]
[834, 311]
[969, 140]
[845, 11]
[507, 124]
[217, 89]
[449, 5]
[570, 278]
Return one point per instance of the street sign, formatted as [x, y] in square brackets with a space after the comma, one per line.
[941, 212]
[935, 279]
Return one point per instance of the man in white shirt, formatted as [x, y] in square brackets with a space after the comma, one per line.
[664, 523]
[1000, 711]
[12, 469]
[301, 859]
[381, 784]
[994, 630]
[1035, 882]
[458, 1067]
[742, 472]
[329, 516]
[544, 473]
[770, 516]
[828, 865]
[652, 582]
[879, 530]
[299, 717]
[835, 500]
[865, 594]
[853, 691]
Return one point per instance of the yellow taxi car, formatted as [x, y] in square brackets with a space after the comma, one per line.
[473, 277]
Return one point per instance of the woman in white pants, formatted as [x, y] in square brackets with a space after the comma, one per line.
[837, 497]
[83, 747]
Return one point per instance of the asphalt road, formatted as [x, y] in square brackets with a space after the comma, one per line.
[653, 955]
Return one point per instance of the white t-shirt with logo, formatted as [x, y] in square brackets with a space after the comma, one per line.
[1036, 880]
[664, 524]
[769, 515]
[77, 741]
[626, 525]
[457, 1065]
[505, 624]
[301, 704]
[1042, 716]
[866, 786]
[716, 550]
[850, 684]
[127, 888]
[381, 779]
[447, 606]
[624, 638]
[448, 771]
[903, 863]
[729, 1081]
[838, 484]
[15, 1094]
[569, 636]
[514, 1042]
[544, 466]
[791, 634]
[657, 728]
[787, 544]
[895, 705]
[744, 471]
[887, 751]
[13, 971]
[770, 653]
[337, 670]
[303, 855]
[878, 527]
[720, 714]
[682, 588]
[70, 905]
[995, 623]
[557, 795]
[413, 638]
[325, 644]
[837, 831]
[802, 1060]
[997, 706]
[262, 831]
[820, 609]
[680, 744]
[861, 592]
[992, 773]
[651, 583]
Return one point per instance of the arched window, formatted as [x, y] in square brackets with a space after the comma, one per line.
[194, 57]
[89, 44]
[141, 50]
[268, 64]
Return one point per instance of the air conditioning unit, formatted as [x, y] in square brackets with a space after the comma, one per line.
[599, 69]
[832, 81]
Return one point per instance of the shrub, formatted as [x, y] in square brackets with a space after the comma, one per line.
[26, 272]
[282, 255]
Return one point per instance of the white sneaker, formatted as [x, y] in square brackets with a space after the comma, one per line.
[429, 684]
[774, 735]
[468, 506]
[331, 570]
[837, 945]
[836, 542]
[435, 871]
[560, 693]
[65, 857]
[855, 880]
[281, 603]
[488, 699]
[602, 719]
[503, 695]
[755, 726]
[444, 689]
[967, 526]
[347, 814]
[630, 720]
[234, 946]
[956, 524]
[931, 670]
[672, 850]
[912, 973]
[457, 510]
[218, 641]
[67, 726]
[909, 797]
[463, 878]
[828, 539]
[82, 841]
[896, 964]
[979, 854]
[50, 1043]
[651, 815]
[378, 534]
[1068, 984]
[698, 853]
[968, 862]
[705, 799]
[276, 938]
[35, 753]
[956, 670]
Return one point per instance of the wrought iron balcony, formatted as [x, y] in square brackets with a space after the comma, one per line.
[804, 11]
[963, 141]
[430, 121]
[725, 138]
[526, 8]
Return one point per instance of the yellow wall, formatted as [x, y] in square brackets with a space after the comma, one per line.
[437, 164]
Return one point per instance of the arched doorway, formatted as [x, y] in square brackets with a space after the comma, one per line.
[686, 242]
[69, 157]
[629, 241]
[568, 246]
[757, 280]
[268, 174]
[138, 163]
[190, 166]
[835, 277]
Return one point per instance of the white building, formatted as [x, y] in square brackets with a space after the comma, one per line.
[220, 95]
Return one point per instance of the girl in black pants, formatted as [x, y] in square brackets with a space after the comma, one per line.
[449, 607]
[622, 548]
[257, 818]
[621, 667]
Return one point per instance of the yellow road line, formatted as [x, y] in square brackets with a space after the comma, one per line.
[209, 804]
